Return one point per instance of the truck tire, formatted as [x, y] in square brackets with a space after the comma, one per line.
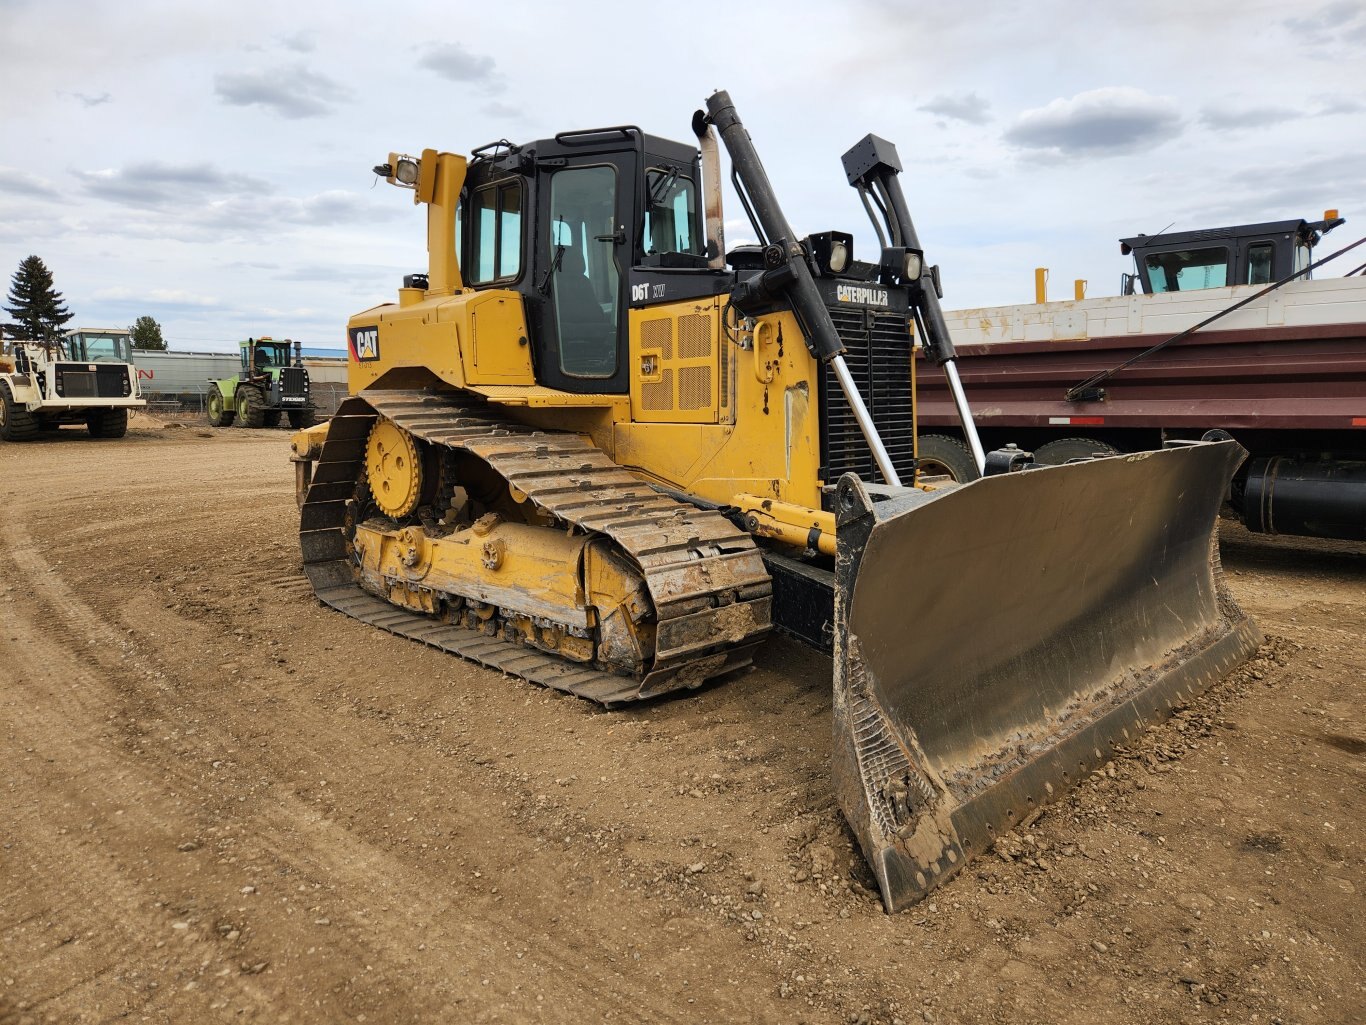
[107, 423]
[250, 406]
[271, 418]
[16, 422]
[219, 413]
[942, 455]
[301, 418]
[1055, 453]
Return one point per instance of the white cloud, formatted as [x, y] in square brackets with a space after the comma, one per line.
[157, 184]
[293, 93]
[1233, 118]
[453, 62]
[968, 107]
[1115, 119]
[156, 296]
[22, 183]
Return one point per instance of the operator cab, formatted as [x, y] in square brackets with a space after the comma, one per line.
[267, 352]
[97, 345]
[585, 226]
[1245, 254]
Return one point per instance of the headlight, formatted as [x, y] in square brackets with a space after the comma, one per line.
[405, 171]
[913, 265]
[839, 257]
[901, 265]
[832, 251]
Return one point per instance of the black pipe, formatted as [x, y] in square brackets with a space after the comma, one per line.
[801, 291]
[1311, 497]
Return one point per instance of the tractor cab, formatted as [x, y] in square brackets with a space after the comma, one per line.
[1245, 254]
[265, 355]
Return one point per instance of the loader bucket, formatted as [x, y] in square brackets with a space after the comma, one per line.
[995, 642]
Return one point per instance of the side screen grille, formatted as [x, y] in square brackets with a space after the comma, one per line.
[659, 395]
[879, 360]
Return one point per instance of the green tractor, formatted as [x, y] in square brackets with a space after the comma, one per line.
[269, 383]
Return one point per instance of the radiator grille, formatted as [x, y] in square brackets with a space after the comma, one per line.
[694, 337]
[659, 395]
[879, 360]
[104, 382]
[293, 380]
[658, 334]
[694, 387]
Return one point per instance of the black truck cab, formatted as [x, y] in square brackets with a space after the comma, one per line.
[1245, 254]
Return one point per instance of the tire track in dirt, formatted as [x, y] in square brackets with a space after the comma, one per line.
[84, 890]
[350, 864]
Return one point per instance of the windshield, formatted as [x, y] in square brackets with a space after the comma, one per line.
[99, 347]
[268, 354]
[1188, 269]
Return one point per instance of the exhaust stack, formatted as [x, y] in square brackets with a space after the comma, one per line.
[711, 184]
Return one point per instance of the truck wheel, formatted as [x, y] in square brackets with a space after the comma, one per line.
[1055, 453]
[301, 418]
[16, 422]
[941, 455]
[219, 413]
[107, 423]
[270, 418]
[249, 406]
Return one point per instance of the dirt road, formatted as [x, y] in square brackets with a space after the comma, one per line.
[223, 802]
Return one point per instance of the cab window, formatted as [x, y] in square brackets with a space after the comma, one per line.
[1304, 256]
[1188, 269]
[1259, 263]
[496, 232]
[670, 213]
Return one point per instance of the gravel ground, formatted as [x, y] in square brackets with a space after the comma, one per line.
[224, 802]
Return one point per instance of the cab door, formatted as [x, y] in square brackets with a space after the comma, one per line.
[585, 240]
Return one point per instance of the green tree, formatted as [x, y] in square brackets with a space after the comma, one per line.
[34, 304]
[146, 334]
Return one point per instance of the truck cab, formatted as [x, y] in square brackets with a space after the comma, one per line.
[1244, 254]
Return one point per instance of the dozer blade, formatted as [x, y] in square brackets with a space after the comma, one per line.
[995, 641]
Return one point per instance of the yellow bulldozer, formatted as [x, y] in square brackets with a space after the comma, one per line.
[592, 449]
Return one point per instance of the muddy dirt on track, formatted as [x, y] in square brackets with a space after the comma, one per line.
[224, 802]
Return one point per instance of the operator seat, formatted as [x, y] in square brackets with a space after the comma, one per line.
[588, 341]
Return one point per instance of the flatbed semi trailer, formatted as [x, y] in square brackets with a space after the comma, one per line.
[1285, 375]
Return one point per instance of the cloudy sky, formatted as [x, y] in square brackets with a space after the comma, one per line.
[209, 165]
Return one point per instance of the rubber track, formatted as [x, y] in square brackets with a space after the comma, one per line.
[712, 595]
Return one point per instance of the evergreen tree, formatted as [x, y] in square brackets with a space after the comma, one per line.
[146, 334]
[34, 304]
